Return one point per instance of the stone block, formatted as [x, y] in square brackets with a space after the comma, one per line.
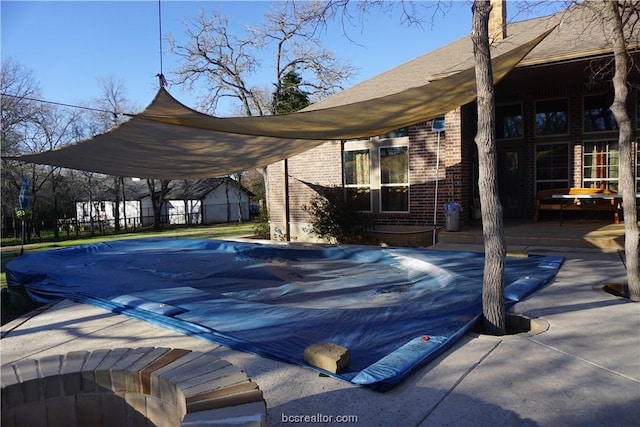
[133, 379]
[12, 396]
[161, 413]
[250, 414]
[88, 369]
[136, 410]
[71, 376]
[9, 375]
[61, 412]
[30, 414]
[206, 376]
[232, 377]
[89, 409]
[50, 376]
[113, 409]
[328, 356]
[157, 365]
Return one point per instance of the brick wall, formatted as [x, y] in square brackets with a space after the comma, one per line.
[322, 166]
[458, 159]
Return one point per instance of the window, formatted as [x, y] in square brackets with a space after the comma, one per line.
[508, 121]
[597, 115]
[601, 165]
[552, 117]
[357, 178]
[552, 166]
[394, 179]
[376, 172]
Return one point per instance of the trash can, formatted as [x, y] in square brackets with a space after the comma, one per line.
[452, 216]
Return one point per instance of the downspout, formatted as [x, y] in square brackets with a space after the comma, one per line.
[287, 212]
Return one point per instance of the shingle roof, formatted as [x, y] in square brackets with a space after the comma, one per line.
[579, 33]
[198, 189]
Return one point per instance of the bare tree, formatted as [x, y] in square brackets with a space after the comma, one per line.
[225, 63]
[221, 62]
[617, 14]
[237, 177]
[17, 106]
[158, 190]
[112, 102]
[293, 29]
[53, 127]
[17, 109]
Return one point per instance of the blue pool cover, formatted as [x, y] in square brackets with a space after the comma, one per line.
[395, 309]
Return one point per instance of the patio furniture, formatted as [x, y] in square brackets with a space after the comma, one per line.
[579, 199]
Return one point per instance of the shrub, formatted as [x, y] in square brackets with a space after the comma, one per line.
[261, 227]
[334, 217]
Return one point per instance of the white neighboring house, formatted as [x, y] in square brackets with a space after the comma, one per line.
[102, 212]
[99, 210]
[207, 201]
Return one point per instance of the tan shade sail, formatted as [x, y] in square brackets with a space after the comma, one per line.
[169, 140]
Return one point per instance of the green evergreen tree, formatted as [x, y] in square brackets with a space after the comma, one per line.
[289, 97]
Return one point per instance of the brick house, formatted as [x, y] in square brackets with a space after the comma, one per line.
[553, 128]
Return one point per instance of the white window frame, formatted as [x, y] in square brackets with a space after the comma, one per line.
[374, 145]
[355, 147]
[588, 182]
[404, 184]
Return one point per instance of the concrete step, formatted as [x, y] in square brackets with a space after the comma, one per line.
[599, 236]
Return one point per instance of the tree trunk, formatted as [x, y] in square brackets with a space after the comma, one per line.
[116, 211]
[627, 185]
[239, 195]
[157, 200]
[493, 308]
[228, 202]
[56, 232]
[265, 179]
[124, 202]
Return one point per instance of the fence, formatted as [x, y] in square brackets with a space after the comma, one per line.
[103, 222]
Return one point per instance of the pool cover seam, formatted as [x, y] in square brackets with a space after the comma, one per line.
[459, 381]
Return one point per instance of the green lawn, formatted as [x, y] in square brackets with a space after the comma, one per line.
[221, 231]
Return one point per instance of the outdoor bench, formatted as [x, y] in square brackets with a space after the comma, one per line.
[125, 386]
[579, 199]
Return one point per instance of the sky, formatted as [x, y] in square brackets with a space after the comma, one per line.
[69, 46]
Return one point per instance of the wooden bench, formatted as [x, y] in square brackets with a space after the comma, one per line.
[129, 386]
[578, 199]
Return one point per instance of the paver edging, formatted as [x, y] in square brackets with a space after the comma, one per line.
[165, 386]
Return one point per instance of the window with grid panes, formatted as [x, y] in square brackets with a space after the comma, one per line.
[394, 179]
[357, 178]
[600, 165]
[552, 166]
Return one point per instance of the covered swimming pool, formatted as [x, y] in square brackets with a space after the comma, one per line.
[395, 309]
